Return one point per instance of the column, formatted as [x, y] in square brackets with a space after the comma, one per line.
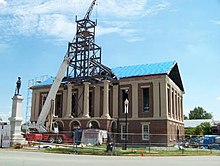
[69, 100]
[164, 103]
[15, 120]
[86, 100]
[106, 100]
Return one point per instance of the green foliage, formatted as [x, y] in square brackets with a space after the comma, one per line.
[190, 131]
[199, 113]
[204, 128]
[198, 130]
[185, 117]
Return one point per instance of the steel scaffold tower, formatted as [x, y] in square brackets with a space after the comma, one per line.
[31, 83]
[85, 54]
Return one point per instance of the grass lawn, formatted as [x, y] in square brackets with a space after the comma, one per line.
[153, 151]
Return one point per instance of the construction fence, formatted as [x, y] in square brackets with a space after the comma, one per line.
[148, 142]
[167, 144]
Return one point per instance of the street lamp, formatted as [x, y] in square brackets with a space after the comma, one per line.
[126, 102]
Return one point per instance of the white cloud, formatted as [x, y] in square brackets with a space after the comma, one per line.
[55, 18]
[122, 8]
[3, 2]
[155, 9]
[56, 25]
[218, 98]
[135, 39]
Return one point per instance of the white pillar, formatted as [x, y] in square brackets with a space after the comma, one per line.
[106, 100]
[69, 100]
[86, 100]
[15, 120]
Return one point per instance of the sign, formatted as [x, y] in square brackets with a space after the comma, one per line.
[1, 135]
[5, 136]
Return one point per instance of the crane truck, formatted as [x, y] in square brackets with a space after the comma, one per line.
[38, 131]
[50, 133]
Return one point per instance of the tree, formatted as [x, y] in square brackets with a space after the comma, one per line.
[199, 113]
[185, 117]
[204, 128]
[189, 131]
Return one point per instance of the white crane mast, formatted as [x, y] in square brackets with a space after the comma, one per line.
[68, 61]
[51, 96]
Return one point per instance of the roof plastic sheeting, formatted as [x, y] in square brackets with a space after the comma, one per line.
[132, 71]
[143, 70]
[49, 81]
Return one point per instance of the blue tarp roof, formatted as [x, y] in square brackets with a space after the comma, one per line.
[49, 81]
[143, 70]
[132, 71]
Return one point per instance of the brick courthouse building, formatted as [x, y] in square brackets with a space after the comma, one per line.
[155, 112]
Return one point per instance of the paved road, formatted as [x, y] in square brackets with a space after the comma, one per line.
[22, 158]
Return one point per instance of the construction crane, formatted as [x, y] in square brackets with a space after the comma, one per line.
[85, 54]
[89, 12]
[83, 57]
[58, 79]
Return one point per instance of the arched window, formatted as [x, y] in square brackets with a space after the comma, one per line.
[93, 125]
[75, 125]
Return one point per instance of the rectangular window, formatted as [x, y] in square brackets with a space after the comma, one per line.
[145, 132]
[123, 132]
[176, 108]
[146, 103]
[74, 112]
[58, 106]
[173, 111]
[181, 108]
[91, 104]
[168, 102]
[43, 98]
[171, 131]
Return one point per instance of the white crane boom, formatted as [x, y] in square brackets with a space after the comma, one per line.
[40, 125]
[52, 95]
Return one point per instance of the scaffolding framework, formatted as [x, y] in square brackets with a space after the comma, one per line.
[85, 54]
[31, 83]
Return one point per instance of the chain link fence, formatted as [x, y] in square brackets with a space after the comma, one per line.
[99, 140]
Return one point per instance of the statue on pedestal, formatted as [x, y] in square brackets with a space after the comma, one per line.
[18, 86]
[16, 116]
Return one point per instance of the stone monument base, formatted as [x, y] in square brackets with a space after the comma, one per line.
[16, 120]
[17, 139]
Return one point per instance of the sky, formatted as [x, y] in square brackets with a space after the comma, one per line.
[34, 35]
